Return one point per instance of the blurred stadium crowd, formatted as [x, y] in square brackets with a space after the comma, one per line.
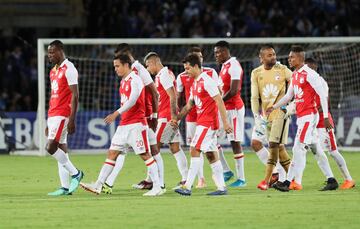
[171, 19]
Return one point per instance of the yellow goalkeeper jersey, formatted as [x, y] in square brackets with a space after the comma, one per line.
[268, 87]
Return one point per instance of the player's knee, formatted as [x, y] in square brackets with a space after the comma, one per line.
[256, 145]
[300, 148]
[273, 145]
[211, 157]
[174, 147]
[154, 150]
[51, 147]
[112, 154]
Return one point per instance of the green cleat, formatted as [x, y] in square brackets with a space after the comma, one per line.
[107, 189]
[60, 192]
[75, 181]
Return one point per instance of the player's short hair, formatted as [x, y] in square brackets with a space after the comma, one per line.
[123, 47]
[194, 49]
[222, 44]
[192, 59]
[311, 60]
[297, 48]
[266, 46]
[58, 44]
[124, 59]
[150, 55]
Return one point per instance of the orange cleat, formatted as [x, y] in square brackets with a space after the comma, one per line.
[263, 185]
[348, 184]
[295, 186]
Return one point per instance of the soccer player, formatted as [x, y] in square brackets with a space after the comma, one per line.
[327, 138]
[206, 97]
[132, 129]
[268, 85]
[166, 86]
[151, 112]
[61, 116]
[231, 74]
[304, 86]
[183, 85]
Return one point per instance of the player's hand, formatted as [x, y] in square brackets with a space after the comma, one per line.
[46, 131]
[290, 109]
[269, 110]
[71, 126]
[327, 124]
[153, 123]
[174, 124]
[111, 117]
[227, 128]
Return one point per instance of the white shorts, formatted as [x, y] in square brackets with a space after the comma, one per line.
[236, 119]
[152, 136]
[190, 131]
[327, 139]
[306, 129]
[57, 129]
[204, 139]
[132, 135]
[259, 135]
[165, 133]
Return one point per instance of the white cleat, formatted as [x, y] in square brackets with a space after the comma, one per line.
[154, 192]
[93, 188]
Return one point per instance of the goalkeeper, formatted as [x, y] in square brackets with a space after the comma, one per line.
[268, 85]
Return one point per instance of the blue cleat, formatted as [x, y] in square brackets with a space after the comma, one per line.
[238, 184]
[75, 181]
[183, 191]
[228, 175]
[60, 192]
[218, 193]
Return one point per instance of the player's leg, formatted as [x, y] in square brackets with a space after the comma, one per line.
[154, 174]
[64, 176]
[228, 174]
[217, 172]
[57, 133]
[236, 120]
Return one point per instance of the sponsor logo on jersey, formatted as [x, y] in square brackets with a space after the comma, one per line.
[298, 92]
[302, 80]
[198, 102]
[124, 99]
[270, 90]
[54, 86]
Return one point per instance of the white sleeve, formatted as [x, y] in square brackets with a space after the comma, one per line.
[325, 85]
[284, 100]
[235, 70]
[217, 79]
[313, 79]
[166, 80]
[144, 74]
[211, 86]
[71, 75]
[179, 85]
[136, 88]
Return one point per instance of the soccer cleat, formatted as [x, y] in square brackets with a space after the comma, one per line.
[75, 181]
[143, 185]
[93, 188]
[107, 189]
[281, 186]
[201, 183]
[60, 192]
[348, 184]
[217, 193]
[179, 185]
[154, 192]
[331, 184]
[263, 185]
[295, 186]
[274, 178]
[228, 175]
[183, 191]
[238, 184]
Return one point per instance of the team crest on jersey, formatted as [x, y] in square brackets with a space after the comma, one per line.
[199, 90]
[127, 88]
[298, 92]
[60, 75]
[270, 90]
[302, 80]
[277, 77]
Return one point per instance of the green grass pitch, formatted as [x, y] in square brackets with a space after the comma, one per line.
[25, 182]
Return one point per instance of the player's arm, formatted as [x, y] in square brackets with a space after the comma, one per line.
[186, 109]
[151, 89]
[284, 100]
[72, 79]
[235, 72]
[136, 87]
[180, 92]
[255, 105]
[222, 110]
[173, 103]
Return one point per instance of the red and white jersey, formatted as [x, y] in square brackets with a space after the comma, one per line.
[184, 83]
[202, 92]
[232, 70]
[164, 80]
[303, 83]
[141, 71]
[321, 114]
[61, 79]
[132, 95]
